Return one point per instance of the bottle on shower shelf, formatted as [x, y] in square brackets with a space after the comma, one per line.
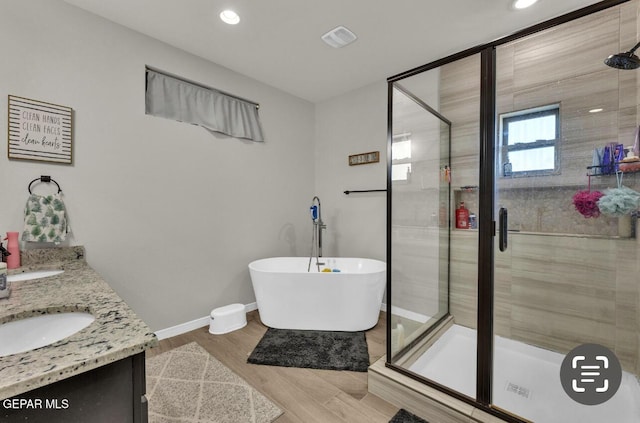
[462, 217]
[473, 221]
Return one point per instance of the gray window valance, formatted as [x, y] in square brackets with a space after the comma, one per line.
[173, 98]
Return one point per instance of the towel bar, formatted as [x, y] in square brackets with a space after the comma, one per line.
[44, 178]
[364, 190]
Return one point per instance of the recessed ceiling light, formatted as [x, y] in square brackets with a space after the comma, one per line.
[595, 110]
[523, 4]
[230, 17]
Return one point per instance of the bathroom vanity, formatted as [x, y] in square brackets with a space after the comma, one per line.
[98, 373]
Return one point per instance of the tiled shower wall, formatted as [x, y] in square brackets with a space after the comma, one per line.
[554, 287]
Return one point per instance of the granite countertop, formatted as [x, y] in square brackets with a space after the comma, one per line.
[116, 332]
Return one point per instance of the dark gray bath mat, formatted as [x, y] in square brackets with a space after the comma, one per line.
[403, 416]
[312, 349]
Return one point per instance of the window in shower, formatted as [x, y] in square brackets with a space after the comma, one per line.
[401, 153]
[529, 140]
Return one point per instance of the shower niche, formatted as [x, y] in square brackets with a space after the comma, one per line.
[480, 321]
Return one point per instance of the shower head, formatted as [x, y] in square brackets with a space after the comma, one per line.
[626, 60]
[623, 61]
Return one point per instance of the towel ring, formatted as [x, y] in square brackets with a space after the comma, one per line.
[44, 178]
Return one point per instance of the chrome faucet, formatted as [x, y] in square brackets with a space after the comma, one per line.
[318, 226]
[5, 286]
[3, 253]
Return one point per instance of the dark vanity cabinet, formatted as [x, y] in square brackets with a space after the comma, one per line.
[111, 393]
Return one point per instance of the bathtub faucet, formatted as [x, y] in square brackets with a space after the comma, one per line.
[317, 222]
[318, 226]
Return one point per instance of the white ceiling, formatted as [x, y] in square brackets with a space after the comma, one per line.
[278, 41]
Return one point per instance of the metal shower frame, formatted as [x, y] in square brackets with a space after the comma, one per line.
[487, 220]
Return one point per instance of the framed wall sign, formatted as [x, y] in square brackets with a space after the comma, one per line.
[39, 131]
[364, 158]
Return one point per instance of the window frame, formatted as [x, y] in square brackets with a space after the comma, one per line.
[525, 114]
[403, 137]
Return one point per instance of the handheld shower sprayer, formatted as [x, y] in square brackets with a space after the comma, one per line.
[626, 60]
[316, 238]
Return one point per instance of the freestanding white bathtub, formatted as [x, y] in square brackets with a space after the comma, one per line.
[289, 297]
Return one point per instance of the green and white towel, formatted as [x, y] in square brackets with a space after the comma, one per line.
[45, 219]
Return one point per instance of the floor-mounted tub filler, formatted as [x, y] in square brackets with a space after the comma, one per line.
[291, 297]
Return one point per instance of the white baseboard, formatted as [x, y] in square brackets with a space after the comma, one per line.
[194, 324]
[182, 328]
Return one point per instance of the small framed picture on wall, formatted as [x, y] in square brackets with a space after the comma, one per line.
[364, 158]
[39, 131]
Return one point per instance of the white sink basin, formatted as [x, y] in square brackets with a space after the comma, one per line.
[34, 332]
[26, 276]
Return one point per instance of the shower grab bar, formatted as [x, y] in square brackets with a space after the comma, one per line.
[364, 190]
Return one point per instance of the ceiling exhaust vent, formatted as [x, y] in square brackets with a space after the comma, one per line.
[339, 37]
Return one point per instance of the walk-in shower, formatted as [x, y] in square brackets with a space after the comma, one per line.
[482, 319]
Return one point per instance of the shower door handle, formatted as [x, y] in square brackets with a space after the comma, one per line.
[502, 235]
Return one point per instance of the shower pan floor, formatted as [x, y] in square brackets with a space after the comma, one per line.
[526, 380]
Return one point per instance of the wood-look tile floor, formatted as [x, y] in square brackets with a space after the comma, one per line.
[305, 395]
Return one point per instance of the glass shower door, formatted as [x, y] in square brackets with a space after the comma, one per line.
[565, 281]
[420, 218]
[433, 264]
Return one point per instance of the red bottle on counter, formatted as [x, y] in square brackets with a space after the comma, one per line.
[462, 217]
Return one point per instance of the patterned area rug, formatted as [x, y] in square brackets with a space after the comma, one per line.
[403, 416]
[312, 349]
[187, 384]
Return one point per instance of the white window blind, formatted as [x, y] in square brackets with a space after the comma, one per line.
[173, 98]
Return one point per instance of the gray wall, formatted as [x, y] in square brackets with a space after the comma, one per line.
[350, 124]
[170, 215]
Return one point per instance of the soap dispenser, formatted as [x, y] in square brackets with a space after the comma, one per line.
[3, 253]
[13, 246]
[4, 285]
